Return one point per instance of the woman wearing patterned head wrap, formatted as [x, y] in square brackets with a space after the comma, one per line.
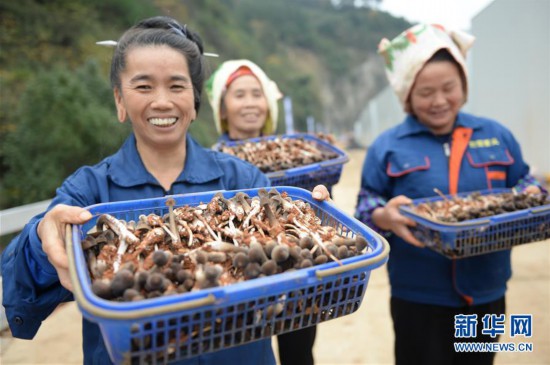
[436, 146]
[244, 102]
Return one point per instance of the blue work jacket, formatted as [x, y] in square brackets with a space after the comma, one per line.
[410, 160]
[225, 138]
[31, 289]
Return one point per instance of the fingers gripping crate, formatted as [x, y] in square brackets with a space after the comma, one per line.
[308, 176]
[482, 235]
[177, 327]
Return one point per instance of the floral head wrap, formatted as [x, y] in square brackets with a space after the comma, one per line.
[407, 53]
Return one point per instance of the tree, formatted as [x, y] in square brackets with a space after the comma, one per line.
[64, 119]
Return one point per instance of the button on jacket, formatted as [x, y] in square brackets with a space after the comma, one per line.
[410, 160]
[30, 284]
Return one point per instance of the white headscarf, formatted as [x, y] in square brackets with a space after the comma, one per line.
[216, 85]
[407, 53]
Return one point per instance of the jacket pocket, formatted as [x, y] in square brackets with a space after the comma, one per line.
[489, 156]
[494, 162]
[401, 164]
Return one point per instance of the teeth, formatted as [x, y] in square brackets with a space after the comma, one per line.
[162, 121]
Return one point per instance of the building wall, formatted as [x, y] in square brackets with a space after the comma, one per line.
[510, 73]
[381, 113]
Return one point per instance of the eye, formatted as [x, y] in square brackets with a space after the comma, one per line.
[449, 88]
[143, 87]
[425, 94]
[180, 87]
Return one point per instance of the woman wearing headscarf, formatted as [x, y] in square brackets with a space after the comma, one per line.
[437, 146]
[244, 101]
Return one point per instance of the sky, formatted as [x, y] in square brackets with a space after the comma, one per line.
[452, 14]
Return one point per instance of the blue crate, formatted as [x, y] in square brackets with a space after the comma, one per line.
[482, 235]
[307, 177]
[218, 318]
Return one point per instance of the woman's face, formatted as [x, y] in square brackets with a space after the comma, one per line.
[245, 107]
[437, 96]
[157, 96]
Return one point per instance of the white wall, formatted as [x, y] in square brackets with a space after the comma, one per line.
[381, 113]
[510, 73]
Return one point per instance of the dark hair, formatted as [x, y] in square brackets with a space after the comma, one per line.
[160, 31]
[443, 55]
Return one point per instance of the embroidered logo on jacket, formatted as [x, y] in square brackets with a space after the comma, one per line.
[481, 143]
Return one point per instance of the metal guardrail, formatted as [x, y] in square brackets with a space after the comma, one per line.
[14, 219]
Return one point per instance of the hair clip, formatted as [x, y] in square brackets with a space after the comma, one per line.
[182, 32]
[107, 43]
[114, 44]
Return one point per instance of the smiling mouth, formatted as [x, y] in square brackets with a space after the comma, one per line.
[250, 117]
[439, 113]
[162, 122]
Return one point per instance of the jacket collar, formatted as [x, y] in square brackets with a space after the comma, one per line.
[127, 168]
[224, 138]
[412, 126]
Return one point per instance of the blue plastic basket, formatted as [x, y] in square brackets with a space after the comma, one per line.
[307, 177]
[176, 327]
[482, 235]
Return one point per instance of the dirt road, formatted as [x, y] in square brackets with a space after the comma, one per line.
[364, 337]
